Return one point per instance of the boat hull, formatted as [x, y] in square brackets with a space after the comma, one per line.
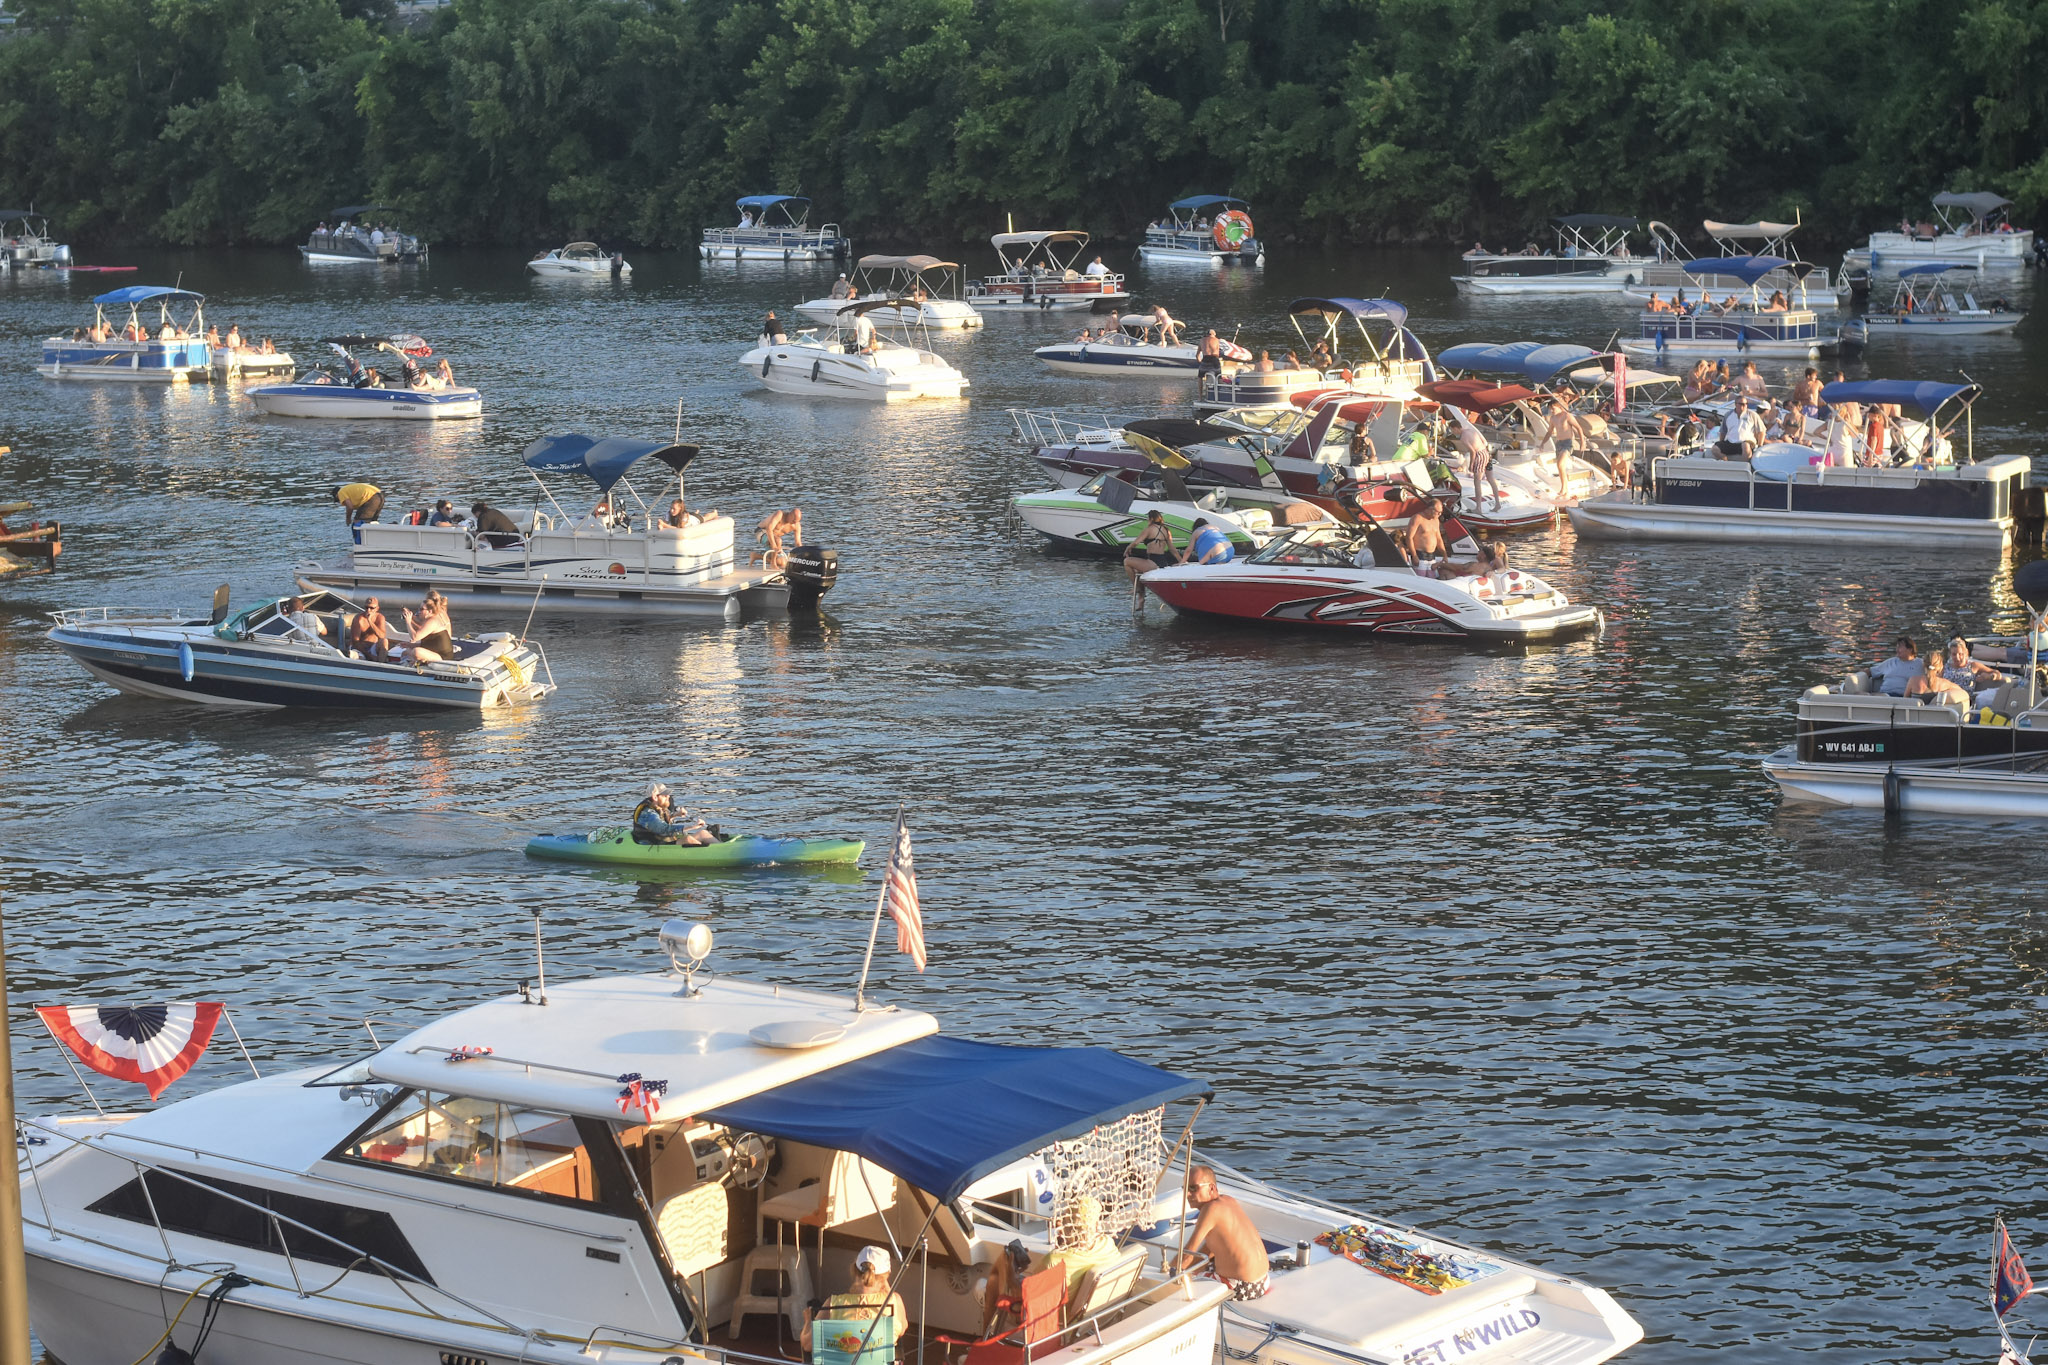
[128, 362]
[1934, 324]
[1355, 603]
[820, 372]
[1120, 362]
[339, 402]
[727, 597]
[1913, 789]
[1537, 284]
[946, 315]
[616, 848]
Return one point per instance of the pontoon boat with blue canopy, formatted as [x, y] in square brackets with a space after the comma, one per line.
[351, 389]
[156, 335]
[1207, 229]
[774, 227]
[627, 554]
[1692, 323]
[1936, 299]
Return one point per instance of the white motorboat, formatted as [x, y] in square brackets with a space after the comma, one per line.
[583, 259]
[636, 1169]
[351, 242]
[1042, 270]
[1738, 326]
[170, 350]
[1929, 303]
[624, 561]
[774, 227]
[858, 360]
[1109, 511]
[933, 284]
[26, 244]
[1591, 257]
[1358, 581]
[1204, 229]
[261, 658]
[1667, 273]
[1971, 229]
[354, 390]
[1902, 484]
[1130, 352]
[244, 361]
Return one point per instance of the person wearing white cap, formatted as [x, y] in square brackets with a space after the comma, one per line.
[842, 290]
[658, 820]
[868, 1297]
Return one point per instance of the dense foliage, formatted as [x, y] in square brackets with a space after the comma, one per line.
[530, 121]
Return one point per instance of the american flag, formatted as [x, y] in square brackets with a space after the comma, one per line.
[899, 894]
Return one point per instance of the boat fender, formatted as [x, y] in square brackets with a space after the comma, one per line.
[814, 370]
[185, 660]
[1891, 791]
[766, 361]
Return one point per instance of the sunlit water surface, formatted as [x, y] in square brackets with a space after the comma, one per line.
[1521, 948]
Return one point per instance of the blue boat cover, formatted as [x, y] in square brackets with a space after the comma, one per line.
[1748, 269]
[604, 462]
[944, 1112]
[1202, 201]
[1921, 397]
[1359, 308]
[138, 293]
[1535, 361]
[1933, 268]
[1545, 361]
[765, 201]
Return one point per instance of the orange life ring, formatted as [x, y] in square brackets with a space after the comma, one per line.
[1231, 230]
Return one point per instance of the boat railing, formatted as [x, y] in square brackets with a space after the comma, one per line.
[278, 1222]
[79, 616]
[807, 236]
[1046, 427]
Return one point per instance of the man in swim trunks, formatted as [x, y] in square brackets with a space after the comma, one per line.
[1237, 1254]
[1566, 431]
[1426, 546]
[360, 502]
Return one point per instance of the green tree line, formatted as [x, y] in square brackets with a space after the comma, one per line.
[638, 121]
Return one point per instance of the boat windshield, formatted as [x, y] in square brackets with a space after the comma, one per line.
[1322, 546]
[484, 1142]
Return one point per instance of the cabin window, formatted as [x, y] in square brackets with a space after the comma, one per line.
[209, 1208]
[484, 1142]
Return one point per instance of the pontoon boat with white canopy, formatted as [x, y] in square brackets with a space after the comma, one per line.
[933, 284]
[1737, 241]
[1591, 257]
[25, 241]
[859, 360]
[1973, 229]
[623, 561]
[774, 227]
[1044, 270]
[634, 1169]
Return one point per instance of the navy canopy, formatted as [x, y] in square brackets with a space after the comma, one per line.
[1533, 360]
[1358, 308]
[604, 462]
[768, 201]
[1748, 269]
[142, 293]
[944, 1112]
[1933, 268]
[1921, 397]
[1202, 201]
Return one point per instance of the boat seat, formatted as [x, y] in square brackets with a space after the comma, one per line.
[693, 1227]
[1104, 1285]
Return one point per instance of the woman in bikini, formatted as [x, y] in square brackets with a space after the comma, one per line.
[433, 634]
[1152, 548]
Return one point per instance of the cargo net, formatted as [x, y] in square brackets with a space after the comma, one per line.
[1117, 1166]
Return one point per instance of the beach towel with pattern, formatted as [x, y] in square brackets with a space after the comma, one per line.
[1430, 1267]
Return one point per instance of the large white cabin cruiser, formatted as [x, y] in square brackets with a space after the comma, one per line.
[638, 1169]
[166, 349]
[859, 359]
[774, 227]
[933, 284]
[617, 560]
[1972, 229]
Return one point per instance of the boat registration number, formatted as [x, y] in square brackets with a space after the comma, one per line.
[1472, 1336]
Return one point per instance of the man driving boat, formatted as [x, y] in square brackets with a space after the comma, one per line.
[658, 820]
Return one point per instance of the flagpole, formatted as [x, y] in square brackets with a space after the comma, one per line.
[875, 928]
[13, 1259]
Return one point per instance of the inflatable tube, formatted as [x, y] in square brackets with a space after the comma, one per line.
[615, 847]
[1231, 230]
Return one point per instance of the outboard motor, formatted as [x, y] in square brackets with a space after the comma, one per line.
[811, 571]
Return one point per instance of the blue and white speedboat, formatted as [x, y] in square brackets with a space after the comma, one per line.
[1739, 325]
[1130, 353]
[162, 349]
[262, 658]
[1929, 303]
[1207, 229]
[352, 389]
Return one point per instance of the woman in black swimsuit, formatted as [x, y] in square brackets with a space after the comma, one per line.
[1152, 548]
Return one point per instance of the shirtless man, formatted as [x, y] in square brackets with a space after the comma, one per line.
[1426, 536]
[1236, 1251]
[1478, 458]
[1566, 431]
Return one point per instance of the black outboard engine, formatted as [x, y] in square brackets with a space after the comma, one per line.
[811, 571]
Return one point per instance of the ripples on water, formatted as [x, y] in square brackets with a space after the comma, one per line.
[1520, 948]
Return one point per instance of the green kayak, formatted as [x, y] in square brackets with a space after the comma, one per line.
[615, 845]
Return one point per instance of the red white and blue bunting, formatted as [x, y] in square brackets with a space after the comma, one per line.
[149, 1044]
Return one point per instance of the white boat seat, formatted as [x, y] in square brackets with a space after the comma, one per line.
[693, 1228]
[1104, 1285]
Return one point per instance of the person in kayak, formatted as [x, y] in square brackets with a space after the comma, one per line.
[658, 820]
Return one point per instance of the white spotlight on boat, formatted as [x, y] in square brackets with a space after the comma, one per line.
[682, 939]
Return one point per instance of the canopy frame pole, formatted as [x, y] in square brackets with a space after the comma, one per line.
[1187, 1173]
[903, 1266]
[860, 1002]
[228, 1015]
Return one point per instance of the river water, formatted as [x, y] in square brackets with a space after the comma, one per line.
[1523, 949]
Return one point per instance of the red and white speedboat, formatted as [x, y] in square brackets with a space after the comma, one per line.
[1358, 581]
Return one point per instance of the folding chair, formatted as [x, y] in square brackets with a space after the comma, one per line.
[1044, 1297]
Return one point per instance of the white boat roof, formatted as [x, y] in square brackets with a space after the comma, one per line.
[1002, 239]
[920, 264]
[732, 1040]
[1745, 231]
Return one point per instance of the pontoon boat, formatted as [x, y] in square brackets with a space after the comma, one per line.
[1360, 343]
[858, 359]
[25, 241]
[1806, 283]
[623, 560]
[580, 259]
[163, 350]
[1206, 229]
[355, 390]
[774, 227]
[639, 1169]
[1935, 300]
[1591, 257]
[1973, 229]
[1040, 271]
[262, 658]
[926, 280]
[1737, 327]
[349, 242]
